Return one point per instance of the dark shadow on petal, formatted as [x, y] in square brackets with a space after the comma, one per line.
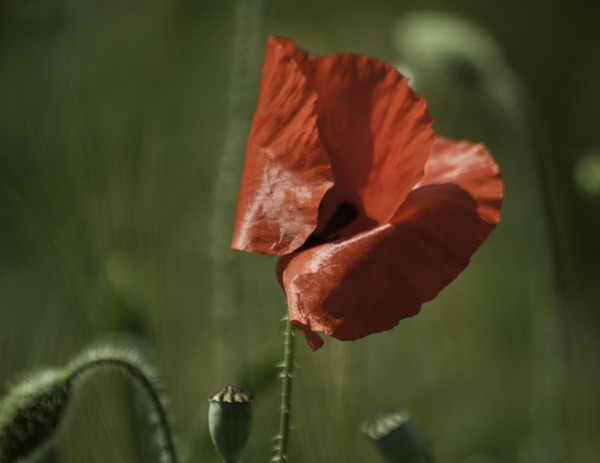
[344, 215]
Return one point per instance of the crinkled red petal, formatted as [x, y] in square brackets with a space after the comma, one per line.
[376, 130]
[472, 168]
[369, 282]
[287, 171]
[347, 118]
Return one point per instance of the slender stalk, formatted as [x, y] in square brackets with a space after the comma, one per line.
[523, 152]
[228, 300]
[286, 394]
[166, 441]
[546, 280]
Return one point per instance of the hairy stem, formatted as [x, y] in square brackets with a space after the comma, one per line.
[286, 394]
[168, 452]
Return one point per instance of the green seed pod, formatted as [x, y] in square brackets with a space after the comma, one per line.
[229, 420]
[394, 436]
[31, 412]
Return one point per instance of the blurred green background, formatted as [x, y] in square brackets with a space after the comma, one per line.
[115, 120]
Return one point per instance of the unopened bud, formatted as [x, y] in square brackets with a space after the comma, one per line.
[31, 412]
[394, 436]
[229, 420]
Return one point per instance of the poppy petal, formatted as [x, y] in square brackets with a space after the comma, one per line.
[376, 130]
[287, 170]
[349, 288]
[368, 283]
[472, 168]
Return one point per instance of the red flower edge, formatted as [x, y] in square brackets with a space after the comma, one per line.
[344, 178]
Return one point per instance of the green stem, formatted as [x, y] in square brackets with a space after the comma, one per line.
[169, 454]
[228, 298]
[286, 394]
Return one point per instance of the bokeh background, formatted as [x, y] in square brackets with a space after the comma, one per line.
[122, 128]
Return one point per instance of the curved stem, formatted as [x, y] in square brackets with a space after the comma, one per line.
[168, 444]
[286, 394]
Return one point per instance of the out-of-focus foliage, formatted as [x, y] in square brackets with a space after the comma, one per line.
[114, 116]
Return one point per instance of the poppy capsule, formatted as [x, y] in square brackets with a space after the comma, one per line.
[395, 437]
[229, 421]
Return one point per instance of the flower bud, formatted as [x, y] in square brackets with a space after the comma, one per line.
[229, 420]
[394, 436]
[31, 412]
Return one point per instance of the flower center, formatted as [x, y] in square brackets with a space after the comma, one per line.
[343, 216]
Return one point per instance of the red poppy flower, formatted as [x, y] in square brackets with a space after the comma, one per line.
[344, 178]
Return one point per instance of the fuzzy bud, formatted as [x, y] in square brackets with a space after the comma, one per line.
[31, 412]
